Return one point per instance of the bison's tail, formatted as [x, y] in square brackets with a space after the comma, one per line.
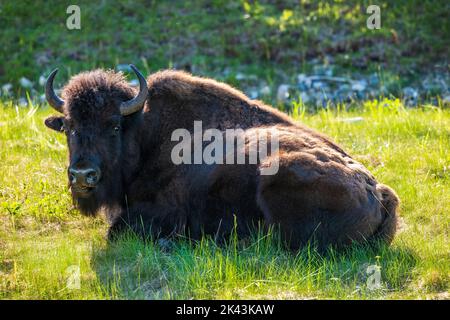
[389, 208]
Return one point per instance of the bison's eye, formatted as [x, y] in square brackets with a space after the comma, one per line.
[115, 131]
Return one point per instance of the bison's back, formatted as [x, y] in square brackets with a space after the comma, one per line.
[182, 97]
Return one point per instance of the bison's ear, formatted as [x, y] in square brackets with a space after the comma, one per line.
[55, 123]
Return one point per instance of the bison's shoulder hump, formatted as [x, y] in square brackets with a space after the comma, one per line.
[182, 85]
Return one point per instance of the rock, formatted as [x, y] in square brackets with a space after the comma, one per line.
[124, 67]
[318, 85]
[42, 80]
[343, 95]
[350, 120]
[304, 97]
[446, 99]
[265, 91]
[241, 76]
[323, 70]
[301, 78]
[321, 99]
[283, 92]
[361, 95]
[434, 85]
[25, 83]
[134, 83]
[22, 102]
[6, 89]
[374, 80]
[410, 96]
[42, 98]
[330, 79]
[359, 85]
[226, 72]
[384, 90]
[344, 87]
[303, 82]
[253, 94]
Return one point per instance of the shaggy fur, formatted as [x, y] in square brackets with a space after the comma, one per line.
[319, 193]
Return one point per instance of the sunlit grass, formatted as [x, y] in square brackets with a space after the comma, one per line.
[42, 238]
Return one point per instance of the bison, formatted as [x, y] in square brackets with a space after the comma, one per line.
[120, 162]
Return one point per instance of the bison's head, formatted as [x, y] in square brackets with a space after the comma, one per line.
[96, 108]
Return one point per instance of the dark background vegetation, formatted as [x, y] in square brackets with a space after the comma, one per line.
[273, 40]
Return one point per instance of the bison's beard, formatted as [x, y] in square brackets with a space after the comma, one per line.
[106, 194]
[88, 205]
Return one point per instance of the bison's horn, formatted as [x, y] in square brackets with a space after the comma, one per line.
[55, 101]
[135, 104]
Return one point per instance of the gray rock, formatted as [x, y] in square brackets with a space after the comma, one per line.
[350, 120]
[318, 85]
[241, 76]
[306, 83]
[42, 80]
[323, 70]
[345, 86]
[42, 98]
[25, 83]
[303, 82]
[283, 92]
[321, 99]
[410, 92]
[134, 83]
[410, 96]
[265, 91]
[22, 102]
[329, 80]
[343, 95]
[359, 85]
[6, 89]
[305, 97]
[253, 94]
[374, 80]
[446, 99]
[124, 67]
[384, 90]
[301, 78]
[434, 84]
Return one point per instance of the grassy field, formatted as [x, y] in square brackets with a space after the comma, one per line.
[44, 242]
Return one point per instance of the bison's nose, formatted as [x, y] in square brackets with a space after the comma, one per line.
[87, 177]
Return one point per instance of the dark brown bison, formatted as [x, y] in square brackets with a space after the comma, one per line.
[120, 145]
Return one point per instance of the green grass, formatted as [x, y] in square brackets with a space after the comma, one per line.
[41, 235]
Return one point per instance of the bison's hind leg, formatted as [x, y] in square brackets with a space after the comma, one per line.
[288, 206]
[327, 205]
[389, 208]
